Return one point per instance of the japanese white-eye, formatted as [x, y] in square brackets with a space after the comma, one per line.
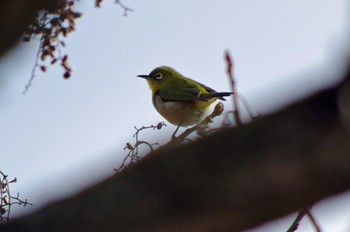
[180, 100]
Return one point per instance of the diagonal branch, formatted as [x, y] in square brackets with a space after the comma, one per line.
[231, 181]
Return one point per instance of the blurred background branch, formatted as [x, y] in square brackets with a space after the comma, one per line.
[15, 16]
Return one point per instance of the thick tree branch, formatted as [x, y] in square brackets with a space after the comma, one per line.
[233, 180]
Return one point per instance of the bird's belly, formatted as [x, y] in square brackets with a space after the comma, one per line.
[180, 113]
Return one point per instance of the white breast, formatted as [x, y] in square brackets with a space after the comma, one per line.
[181, 112]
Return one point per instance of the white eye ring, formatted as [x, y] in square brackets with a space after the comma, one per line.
[158, 76]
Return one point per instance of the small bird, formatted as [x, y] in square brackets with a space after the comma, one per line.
[180, 100]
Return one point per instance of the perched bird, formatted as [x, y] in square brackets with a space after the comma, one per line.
[180, 100]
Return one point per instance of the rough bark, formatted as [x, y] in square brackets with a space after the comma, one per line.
[233, 180]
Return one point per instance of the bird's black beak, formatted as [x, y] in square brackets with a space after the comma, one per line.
[143, 76]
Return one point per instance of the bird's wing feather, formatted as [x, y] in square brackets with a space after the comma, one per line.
[181, 90]
[179, 94]
[184, 90]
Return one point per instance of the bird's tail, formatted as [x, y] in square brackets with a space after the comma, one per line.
[219, 95]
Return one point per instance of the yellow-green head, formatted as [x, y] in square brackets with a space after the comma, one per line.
[180, 100]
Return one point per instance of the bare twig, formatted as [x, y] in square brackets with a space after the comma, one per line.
[226, 121]
[229, 70]
[297, 220]
[313, 220]
[300, 216]
[6, 199]
[247, 107]
[133, 155]
[125, 8]
[36, 64]
[49, 29]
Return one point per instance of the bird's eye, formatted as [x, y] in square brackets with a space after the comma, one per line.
[158, 76]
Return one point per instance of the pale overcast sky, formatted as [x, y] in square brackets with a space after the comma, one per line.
[66, 134]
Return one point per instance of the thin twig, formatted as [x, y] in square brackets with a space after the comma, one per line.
[297, 220]
[125, 8]
[51, 25]
[133, 155]
[313, 220]
[36, 64]
[230, 66]
[229, 70]
[301, 214]
[7, 200]
[247, 107]
[32, 76]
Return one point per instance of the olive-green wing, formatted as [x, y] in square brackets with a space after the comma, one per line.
[179, 91]
[189, 90]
